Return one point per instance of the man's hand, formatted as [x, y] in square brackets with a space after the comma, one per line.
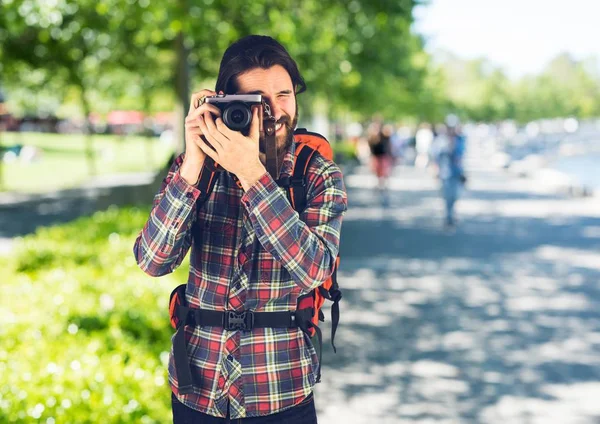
[194, 155]
[232, 150]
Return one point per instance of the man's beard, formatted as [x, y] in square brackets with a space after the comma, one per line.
[284, 141]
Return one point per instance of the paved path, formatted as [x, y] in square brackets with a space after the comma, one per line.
[21, 214]
[496, 323]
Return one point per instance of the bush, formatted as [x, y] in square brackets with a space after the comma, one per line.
[344, 152]
[84, 333]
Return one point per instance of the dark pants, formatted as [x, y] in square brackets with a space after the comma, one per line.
[303, 413]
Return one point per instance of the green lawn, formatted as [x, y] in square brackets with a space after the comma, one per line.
[63, 162]
[84, 333]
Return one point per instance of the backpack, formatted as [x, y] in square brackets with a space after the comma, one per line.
[308, 308]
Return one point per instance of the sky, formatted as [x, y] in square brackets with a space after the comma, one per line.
[521, 36]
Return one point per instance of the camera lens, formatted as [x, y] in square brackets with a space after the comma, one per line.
[237, 116]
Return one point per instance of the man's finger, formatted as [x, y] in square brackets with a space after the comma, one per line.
[206, 107]
[255, 125]
[215, 131]
[224, 129]
[210, 135]
[206, 149]
[194, 131]
[195, 100]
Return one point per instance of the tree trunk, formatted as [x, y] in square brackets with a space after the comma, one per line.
[1, 154]
[148, 133]
[183, 90]
[3, 112]
[320, 118]
[90, 154]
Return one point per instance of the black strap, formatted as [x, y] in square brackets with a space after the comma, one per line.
[182, 367]
[335, 295]
[320, 340]
[299, 178]
[295, 186]
[206, 182]
[271, 156]
[244, 320]
[233, 321]
[304, 319]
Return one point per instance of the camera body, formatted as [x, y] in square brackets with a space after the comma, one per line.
[236, 109]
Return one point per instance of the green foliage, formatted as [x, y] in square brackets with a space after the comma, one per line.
[344, 152]
[117, 49]
[359, 56]
[84, 333]
[482, 92]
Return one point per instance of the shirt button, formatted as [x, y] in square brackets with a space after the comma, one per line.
[230, 357]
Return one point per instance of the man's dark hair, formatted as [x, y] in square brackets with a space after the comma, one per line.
[251, 52]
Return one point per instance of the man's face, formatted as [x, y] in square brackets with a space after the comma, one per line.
[276, 88]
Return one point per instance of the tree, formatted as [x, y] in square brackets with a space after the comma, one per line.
[365, 59]
[68, 40]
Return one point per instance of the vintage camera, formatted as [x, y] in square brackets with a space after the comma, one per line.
[236, 109]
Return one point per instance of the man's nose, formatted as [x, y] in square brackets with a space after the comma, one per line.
[276, 110]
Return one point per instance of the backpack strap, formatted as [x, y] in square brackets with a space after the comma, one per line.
[295, 186]
[206, 181]
[334, 294]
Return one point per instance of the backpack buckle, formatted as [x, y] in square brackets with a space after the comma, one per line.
[243, 321]
[292, 182]
[298, 182]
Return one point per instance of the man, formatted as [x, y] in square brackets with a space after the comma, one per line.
[250, 250]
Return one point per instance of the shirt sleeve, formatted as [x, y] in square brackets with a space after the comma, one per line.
[166, 237]
[306, 245]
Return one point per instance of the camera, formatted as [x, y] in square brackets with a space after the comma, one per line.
[236, 109]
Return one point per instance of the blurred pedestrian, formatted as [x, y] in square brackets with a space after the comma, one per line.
[448, 151]
[379, 140]
[423, 141]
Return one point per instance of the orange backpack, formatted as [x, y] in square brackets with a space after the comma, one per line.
[307, 144]
[308, 310]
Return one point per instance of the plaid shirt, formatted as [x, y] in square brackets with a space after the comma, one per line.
[249, 251]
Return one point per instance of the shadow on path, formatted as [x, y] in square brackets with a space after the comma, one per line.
[498, 322]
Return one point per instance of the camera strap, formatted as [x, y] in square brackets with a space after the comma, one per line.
[272, 158]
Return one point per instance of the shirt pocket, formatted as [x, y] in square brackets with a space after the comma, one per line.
[270, 270]
[214, 231]
[276, 285]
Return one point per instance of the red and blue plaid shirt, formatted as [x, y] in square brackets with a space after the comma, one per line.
[249, 251]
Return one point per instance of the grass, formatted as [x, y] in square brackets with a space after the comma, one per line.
[84, 333]
[63, 163]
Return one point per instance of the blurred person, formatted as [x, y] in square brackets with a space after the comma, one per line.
[380, 146]
[423, 141]
[251, 251]
[400, 142]
[448, 152]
